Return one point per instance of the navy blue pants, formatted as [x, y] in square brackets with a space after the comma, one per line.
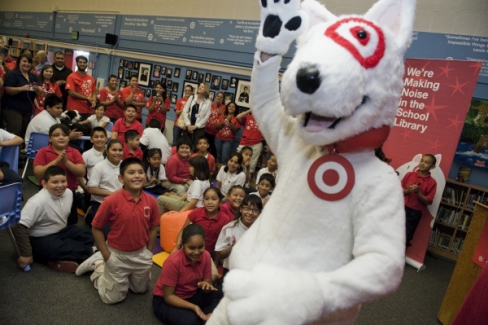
[170, 315]
[412, 219]
[70, 244]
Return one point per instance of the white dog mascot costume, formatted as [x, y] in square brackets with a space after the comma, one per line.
[333, 234]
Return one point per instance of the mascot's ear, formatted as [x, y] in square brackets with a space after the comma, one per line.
[316, 13]
[396, 15]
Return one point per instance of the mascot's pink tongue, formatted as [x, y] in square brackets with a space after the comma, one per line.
[318, 123]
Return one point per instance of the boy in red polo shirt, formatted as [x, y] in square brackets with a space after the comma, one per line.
[419, 190]
[124, 261]
[129, 122]
[131, 148]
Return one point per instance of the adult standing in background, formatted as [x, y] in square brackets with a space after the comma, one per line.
[196, 113]
[61, 73]
[218, 108]
[180, 105]
[82, 90]
[134, 96]
[158, 105]
[21, 87]
[42, 60]
[112, 99]
[48, 87]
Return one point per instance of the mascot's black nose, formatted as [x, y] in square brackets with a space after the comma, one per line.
[308, 79]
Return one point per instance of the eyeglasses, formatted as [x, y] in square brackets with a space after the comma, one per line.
[248, 209]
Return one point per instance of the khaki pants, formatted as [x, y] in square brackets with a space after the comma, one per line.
[123, 271]
[170, 203]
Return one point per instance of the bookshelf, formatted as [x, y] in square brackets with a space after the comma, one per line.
[454, 217]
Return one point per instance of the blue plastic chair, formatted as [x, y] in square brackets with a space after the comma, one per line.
[109, 126]
[36, 141]
[11, 156]
[10, 210]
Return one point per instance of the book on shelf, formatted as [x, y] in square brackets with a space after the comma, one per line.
[454, 196]
[457, 244]
[439, 239]
[465, 221]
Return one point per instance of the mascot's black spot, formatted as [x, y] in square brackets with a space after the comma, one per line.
[294, 23]
[264, 3]
[287, 2]
[362, 34]
[272, 26]
[308, 79]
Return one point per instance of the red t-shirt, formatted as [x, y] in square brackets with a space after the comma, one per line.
[129, 220]
[47, 88]
[251, 134]
[210, 159]
[180, 105]
[137, 153]
[178, 272]
[212, 226]
[138, 97]
[177, 169]
[84, 85]
[226, 133]
[428, 187]
[213, 119]
[47, 154]
[121, 127]
[113, 110]
[157, 114]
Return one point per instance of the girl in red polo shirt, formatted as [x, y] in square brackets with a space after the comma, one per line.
[184, 293]
[227, 127]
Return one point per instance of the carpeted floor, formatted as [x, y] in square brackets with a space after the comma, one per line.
[44, 296]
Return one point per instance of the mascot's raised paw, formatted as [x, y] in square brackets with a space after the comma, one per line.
[281, 23]
[254, 296]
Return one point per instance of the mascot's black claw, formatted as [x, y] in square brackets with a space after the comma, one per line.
[272, 26]
[294, 23]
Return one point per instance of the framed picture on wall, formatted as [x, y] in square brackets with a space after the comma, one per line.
[211, 96]
[200, 77]
[177, 72]
[168, 93]
[169, 84]
[194, 85]
[207, 77]
[151, 84]
[157, 71]
[122, 84]
[163, 71]
[175, 87]
[121, 63]
[173, 98]
[233, 82]
[148, 92]
[225, 84]
[130, 65]
[126, 63]
[215, 83]
[228, 97]
[163, 81]
[120, 73]
[169, 73]
[194, 75]
[188, 74]
[136, 65]
[144, 70]
[127, 74]
[243, 93]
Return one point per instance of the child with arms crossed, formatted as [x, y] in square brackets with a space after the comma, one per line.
[194, 197]
[184, 293]
[42, 232]
[125, 259]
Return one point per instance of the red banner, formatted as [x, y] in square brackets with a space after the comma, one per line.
[435, 98]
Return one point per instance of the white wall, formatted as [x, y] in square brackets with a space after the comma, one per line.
[466, 17]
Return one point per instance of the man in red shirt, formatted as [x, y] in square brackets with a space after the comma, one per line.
[112, 99]
[419, 190]
[82, 90]
[134, 96]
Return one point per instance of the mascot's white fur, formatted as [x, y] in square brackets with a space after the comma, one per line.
[333, 234]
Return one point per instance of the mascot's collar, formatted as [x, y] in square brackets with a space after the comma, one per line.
[370, 139]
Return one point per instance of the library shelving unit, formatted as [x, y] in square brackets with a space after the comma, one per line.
[454, 217]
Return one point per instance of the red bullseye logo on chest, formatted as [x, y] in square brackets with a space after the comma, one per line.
[331, 177]
[363, 39]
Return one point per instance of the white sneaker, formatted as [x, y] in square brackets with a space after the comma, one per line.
[89, 264]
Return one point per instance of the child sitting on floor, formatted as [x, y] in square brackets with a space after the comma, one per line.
[42, 232]
[131, 147]
[184, 293]
[235, 197]
[265, 186]
[99, 118]
[125, 259]
[272, 168]
[178, 167]
[128, 122]
[248, 213]
[153, 137]
[156, 181]
[202, 146]
[194, 197]
[231, 174]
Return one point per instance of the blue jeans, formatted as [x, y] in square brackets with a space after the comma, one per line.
[224, 149]
[177, 132]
